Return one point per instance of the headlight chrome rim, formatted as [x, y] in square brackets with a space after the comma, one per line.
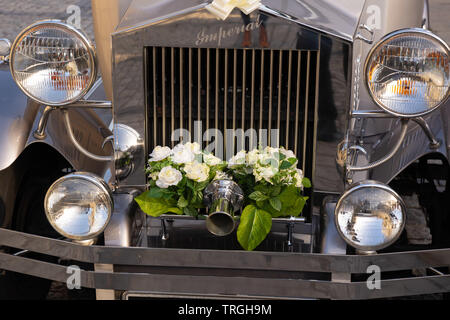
[77, 33]
[389, 37]
[369, 184]
[98, 182]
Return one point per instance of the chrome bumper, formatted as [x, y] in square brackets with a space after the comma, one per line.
[228, 273]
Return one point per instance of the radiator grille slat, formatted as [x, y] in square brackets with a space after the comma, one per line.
[234, 89]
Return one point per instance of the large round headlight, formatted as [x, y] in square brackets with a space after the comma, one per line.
[370, 216]
[408, 73]
[53, 63]
[79, 206]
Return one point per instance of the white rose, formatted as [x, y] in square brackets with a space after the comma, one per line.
[160, 153]
[211, 160]
[197, 171]
[194, 147]
[238, 159]
[182, 154]
[168, 177]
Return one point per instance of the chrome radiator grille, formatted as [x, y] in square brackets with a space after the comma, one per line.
[234, 89]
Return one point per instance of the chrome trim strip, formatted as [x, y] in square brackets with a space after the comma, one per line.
[288, 111]
[224, 259]
[163, 84]
[305, 125]
[297, 106]
[79, 146]
[281, 286]
[389, 155]
[155, 102]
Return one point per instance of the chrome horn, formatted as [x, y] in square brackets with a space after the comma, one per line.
[223, 198]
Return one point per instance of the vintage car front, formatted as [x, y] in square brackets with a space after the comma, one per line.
[356, 89]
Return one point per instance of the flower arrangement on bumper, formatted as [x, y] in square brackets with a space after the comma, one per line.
[271, 183]
[273, 187]
[177, 178]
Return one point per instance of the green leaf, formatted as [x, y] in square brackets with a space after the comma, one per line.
[261, 204]
[155, 207]
[254, 227]
[182, 202]
[289, 195]
[297, 208]
[190, 211]
[306, 183]
[258, 196]
[285, 165]
[275, 203]
[199, 186]
[275, 191]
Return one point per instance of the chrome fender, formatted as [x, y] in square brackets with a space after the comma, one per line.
[19, 118]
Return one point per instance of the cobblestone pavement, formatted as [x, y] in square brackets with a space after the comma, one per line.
[15, 15]
[439, 17]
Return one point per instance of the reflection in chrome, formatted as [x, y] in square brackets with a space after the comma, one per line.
[370, 216]
[53, 63]
[223, 198]
[127, 144]
[79, 146]
[79, 206]
[408, 72]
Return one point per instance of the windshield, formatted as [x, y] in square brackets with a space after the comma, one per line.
[15, 15]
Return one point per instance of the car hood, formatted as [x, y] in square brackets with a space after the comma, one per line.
[335, 17]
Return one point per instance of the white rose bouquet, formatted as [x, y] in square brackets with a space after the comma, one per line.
[177, 178]
[273, 187]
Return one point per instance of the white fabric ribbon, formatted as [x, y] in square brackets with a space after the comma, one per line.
[223, 8]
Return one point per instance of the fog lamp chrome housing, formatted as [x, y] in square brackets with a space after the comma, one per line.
[408, 72]
[370, 216]
[53, 63]
[79, 206]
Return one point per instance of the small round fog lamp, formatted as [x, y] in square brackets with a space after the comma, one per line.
[370, 216]
[79, 206]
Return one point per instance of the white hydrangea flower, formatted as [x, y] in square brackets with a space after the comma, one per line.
[288, 154]
[211, 160]
[160, 153]
[168, 177]
[238, 159]
[265, 173]
[197, 171]
[182, 154]
[253, 157]
[299, 177]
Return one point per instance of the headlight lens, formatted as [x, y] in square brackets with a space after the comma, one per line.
[370, 216]
[53, 63]
[408, 73]
[79, 206]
